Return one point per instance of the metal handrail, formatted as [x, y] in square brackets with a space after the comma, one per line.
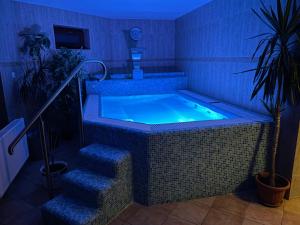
[54, 96]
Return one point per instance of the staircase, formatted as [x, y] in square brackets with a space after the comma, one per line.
[95, 192]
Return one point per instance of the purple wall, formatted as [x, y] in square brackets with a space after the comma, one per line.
[107, 36]
[107, 41]
[212, 45]
[158, 42]
[8, 51]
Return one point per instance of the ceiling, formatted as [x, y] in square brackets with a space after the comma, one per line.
[126, 9]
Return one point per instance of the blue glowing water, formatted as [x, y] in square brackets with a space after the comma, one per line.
[156, 109]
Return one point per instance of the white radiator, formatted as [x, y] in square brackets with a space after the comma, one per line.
[10, 165]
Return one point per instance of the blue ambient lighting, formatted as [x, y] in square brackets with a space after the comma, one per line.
[156, 109]
[126, 9]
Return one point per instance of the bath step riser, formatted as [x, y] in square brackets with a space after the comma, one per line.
[106, 168]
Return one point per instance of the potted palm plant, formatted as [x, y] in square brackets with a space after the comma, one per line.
[277, 76]
[64, 110]
[36, 85]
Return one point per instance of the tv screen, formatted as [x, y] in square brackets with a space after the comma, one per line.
[72, 38]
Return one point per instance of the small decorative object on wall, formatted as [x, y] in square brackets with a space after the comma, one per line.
[277, 75]
[136, 33]
[136, 53]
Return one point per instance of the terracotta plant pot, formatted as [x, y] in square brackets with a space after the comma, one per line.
[268, 195]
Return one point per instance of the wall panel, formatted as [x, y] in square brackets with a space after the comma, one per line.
[213, 45]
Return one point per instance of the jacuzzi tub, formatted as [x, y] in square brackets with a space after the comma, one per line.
[180, 160]
[157, 109]
[177, 110]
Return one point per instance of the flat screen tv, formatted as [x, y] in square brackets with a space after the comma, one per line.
[71, 38]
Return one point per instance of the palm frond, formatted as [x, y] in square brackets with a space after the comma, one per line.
[276, 73]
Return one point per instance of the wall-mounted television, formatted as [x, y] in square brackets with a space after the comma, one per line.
[71, 37]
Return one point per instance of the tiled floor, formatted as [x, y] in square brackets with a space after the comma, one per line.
[221, 210]
[21, 205]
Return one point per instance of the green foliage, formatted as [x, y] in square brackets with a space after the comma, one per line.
[34, 85]
[63, 62]
[44, 72]
[277, 72]
[60, 67]
[271, 107]
[34, 41]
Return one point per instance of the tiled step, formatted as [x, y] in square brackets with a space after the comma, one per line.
[108, 161]
[94, 193]
[63, 210]
[88, 186]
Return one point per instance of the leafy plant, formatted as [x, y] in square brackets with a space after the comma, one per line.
[65, 106]
[277, 72]
[34, 85]
[35, 42]
[44, 72]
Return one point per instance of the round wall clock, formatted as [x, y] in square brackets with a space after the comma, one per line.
[136, 33]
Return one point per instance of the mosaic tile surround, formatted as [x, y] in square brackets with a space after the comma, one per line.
[150, 85]
[179, 165]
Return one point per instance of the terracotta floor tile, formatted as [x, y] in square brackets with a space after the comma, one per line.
[32, 172]
[231, 204]
[20, 207]
[164, 208]
[292, 205]
[247, 196]
[190, 212]
[118, 222]
[145, 216]
[37, 198]
[176, 221]
[205, 201]
[290, 218]
[20, 188]
[13, 209]
[32, 217]
[265, 215]
[129, 211]
[250, 222]
[217, 217]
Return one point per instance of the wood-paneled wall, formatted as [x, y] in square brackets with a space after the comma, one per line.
[107, 40]
[213, 45]
[108, 37]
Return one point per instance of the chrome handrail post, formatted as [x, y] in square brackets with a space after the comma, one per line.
[81, 128]
[54, 96]
[38, 117]
[46, 158]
